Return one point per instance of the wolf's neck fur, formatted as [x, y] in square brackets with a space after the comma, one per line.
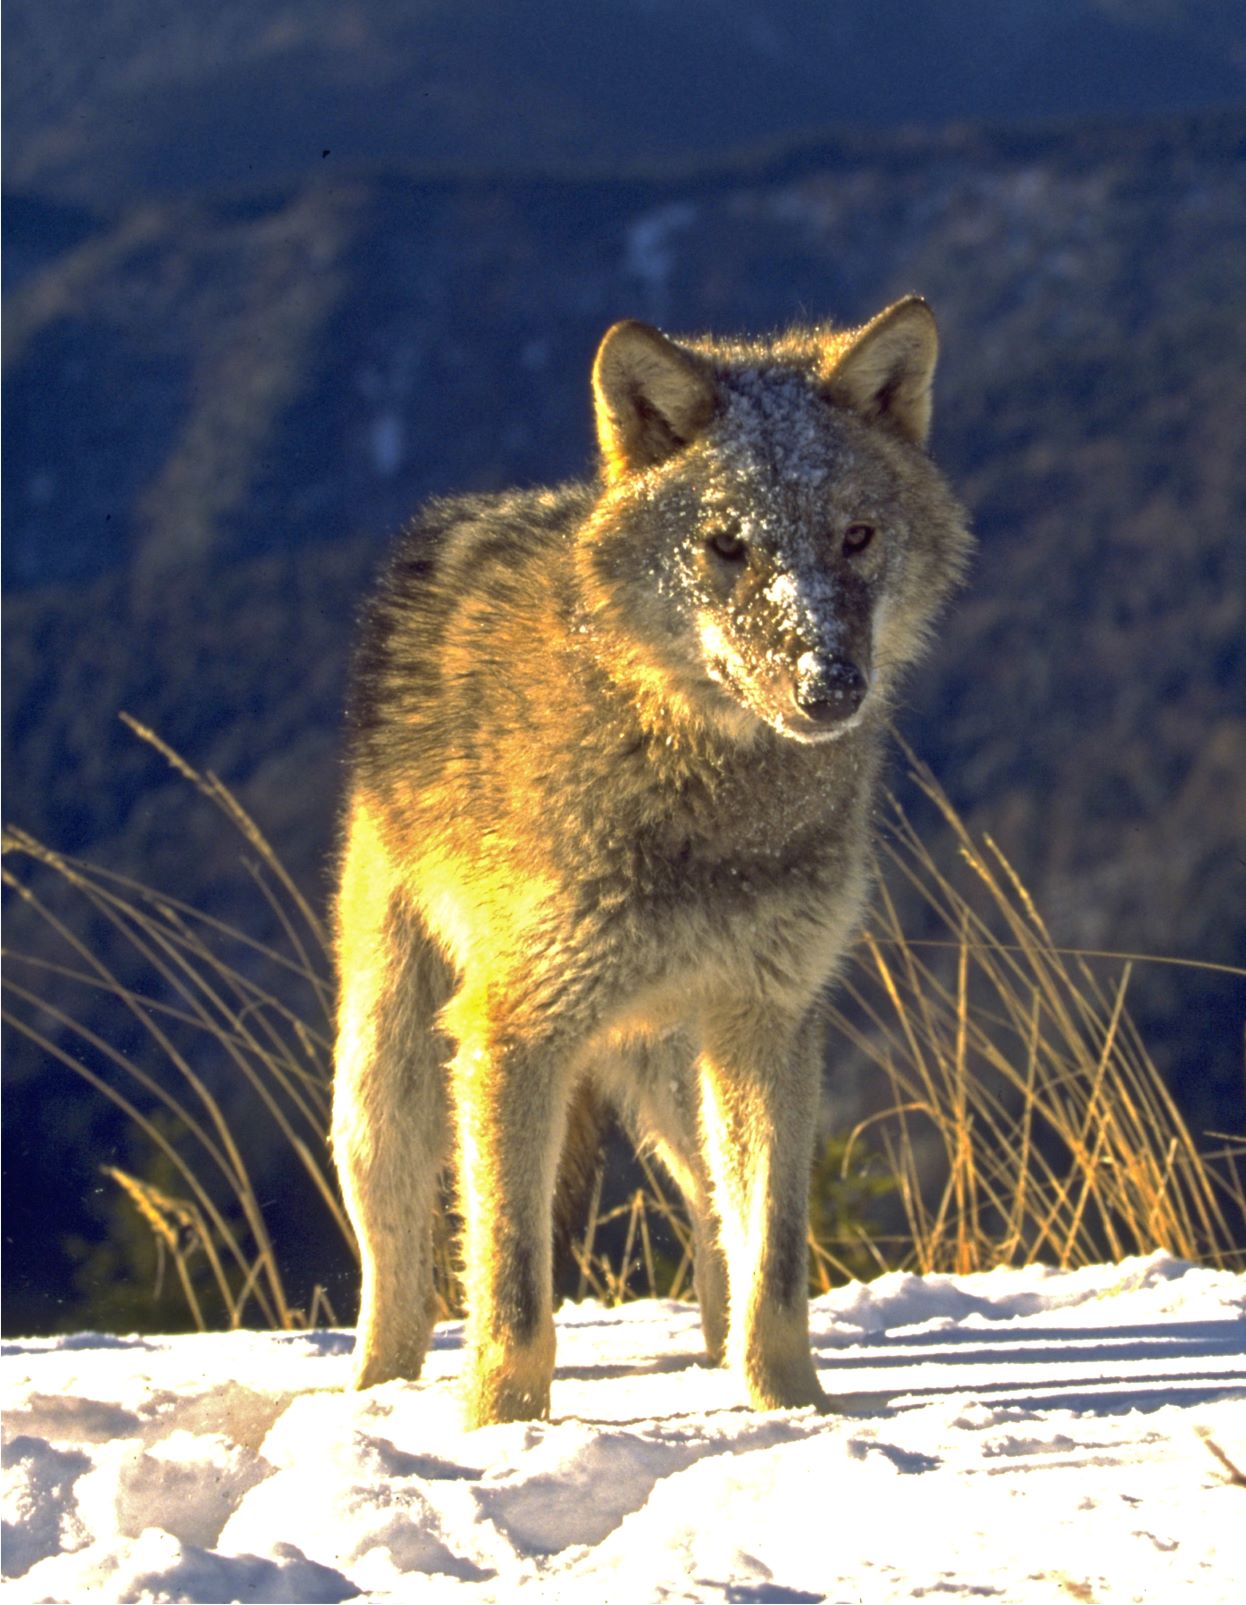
[688, 752]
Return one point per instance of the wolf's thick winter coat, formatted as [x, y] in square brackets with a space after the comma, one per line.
[613, 752]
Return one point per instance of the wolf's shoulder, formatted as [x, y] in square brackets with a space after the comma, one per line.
[454, 538]
[456, 572]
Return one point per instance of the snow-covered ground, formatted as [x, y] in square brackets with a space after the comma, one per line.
[1021, 1435]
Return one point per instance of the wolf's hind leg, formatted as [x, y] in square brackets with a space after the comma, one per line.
[660, 1109]
[390, 1122]
[709, 1269]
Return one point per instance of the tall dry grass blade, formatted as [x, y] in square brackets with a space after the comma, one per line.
[1095, 1123]
[168, 1218]
[217, 792]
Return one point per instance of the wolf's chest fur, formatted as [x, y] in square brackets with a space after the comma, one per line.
[735, 837]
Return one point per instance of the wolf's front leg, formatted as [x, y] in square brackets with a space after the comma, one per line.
[390, 1113]
[510, 1108]
[759, 1085]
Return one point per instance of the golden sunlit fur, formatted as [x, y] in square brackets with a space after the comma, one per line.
[614, 748]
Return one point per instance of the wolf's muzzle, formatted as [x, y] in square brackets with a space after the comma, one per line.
[834, 691]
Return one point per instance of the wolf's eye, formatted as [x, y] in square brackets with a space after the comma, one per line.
[856, 538]
[727, 544]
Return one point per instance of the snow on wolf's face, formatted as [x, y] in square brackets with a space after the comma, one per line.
[785, 559]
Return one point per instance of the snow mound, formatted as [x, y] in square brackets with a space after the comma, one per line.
[1021, 1434]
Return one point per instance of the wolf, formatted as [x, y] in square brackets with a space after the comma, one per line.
[612, 750]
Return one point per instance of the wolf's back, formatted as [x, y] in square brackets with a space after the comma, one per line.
[451, 602]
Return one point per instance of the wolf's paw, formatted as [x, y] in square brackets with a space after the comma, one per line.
[371, 1373]
[793, 1387]
[508, 1381]
[714, 1332]
[395, 1362]
[495, 1399]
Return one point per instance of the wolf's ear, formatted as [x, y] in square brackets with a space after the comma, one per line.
[651, 397]
[886, 369]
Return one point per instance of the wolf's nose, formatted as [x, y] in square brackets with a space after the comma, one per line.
[835, 691]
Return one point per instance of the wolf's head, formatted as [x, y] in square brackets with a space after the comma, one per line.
[771, 541]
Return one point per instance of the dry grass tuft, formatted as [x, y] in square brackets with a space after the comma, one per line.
[199, 993]
[1019, 1066]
